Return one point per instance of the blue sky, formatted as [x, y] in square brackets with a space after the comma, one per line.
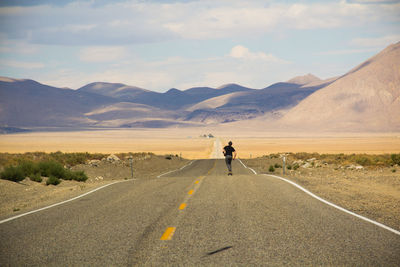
[158, 45]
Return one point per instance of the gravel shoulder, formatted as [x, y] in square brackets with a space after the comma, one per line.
[373, 192]
[17, 198]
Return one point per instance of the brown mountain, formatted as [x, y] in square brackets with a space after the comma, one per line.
[244, 105]
[306, 79]
[367, 98]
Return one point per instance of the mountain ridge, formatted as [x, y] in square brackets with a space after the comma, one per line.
[366, 98]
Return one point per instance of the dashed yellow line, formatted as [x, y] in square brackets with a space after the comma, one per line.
[168, 233]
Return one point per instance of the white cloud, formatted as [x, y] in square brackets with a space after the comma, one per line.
[22, 64]
[242, 52]
[376, 42]
[17, 46]
[347, 51]
[374, 1]
[131, 22]
[252, 69]
[80, 27]
[102, 54]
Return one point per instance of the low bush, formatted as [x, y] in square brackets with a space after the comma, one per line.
[363, 161]
[44, 168]
[289, 167]
[395, 159]
[350, 159]
[14, 174]
[28, 168]
[79, 176]
[36, 177]
[52, 180]
[271, 168]
[277, 166]
[296, 166]
[52, 168]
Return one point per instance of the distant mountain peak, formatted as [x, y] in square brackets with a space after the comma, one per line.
[173, 90]
[228, 85]
[8, 80]
[305, 79]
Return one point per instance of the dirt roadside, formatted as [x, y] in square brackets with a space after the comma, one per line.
[373, 192]
[17, 198]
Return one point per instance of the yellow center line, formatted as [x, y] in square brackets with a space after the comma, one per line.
[182, 206]
[168, 233]
[190, 192]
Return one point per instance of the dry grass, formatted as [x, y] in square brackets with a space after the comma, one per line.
[257, 147]
[187, 142]
[160, 142]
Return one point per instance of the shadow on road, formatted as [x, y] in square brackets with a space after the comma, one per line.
[218, 250]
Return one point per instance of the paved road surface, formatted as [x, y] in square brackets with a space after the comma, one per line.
[217, 150]
[240, 220]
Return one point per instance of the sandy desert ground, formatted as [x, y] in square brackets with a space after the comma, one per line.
[161, 142]
[188, 142]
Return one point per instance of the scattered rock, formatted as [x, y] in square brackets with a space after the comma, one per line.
[94, 162]
[112, 158]
[355, 167]
[312, 159]
[306, 165]
[99, 178]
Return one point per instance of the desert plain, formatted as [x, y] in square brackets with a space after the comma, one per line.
[191, 144]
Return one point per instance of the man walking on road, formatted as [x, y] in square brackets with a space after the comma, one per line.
[230, 154]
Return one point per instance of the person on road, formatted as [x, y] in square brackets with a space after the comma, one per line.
[230, 154]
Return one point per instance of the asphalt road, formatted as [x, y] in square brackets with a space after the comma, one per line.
[239, 220]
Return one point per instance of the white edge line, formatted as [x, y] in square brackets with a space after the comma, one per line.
[59, 203]
[190, 163]
[247, 167]
[329, 203]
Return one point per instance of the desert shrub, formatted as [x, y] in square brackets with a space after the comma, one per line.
[363, 160]
[393, 170]
[12, 173]
[28, 167]
[271, 168]
[71, 159]
[395, 159]
[296, 166]
[79, 176]
[277, 166]
[168, 157]
[52, 168]
[36, 177]
[53, 180]
[289, 167]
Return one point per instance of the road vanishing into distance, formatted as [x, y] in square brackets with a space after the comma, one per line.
[197, 216]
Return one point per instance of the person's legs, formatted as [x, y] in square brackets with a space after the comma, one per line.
[228, 161]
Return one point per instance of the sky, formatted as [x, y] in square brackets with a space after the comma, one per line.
[163, 44]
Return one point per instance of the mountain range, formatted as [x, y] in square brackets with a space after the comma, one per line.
[367, 98]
